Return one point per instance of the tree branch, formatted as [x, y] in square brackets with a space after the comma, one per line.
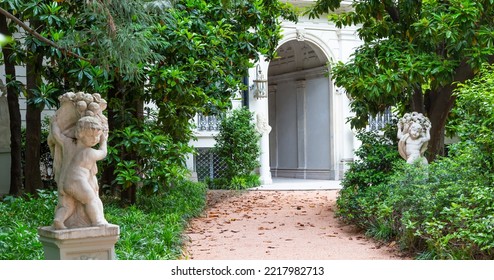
[392, 10]
[39, 37]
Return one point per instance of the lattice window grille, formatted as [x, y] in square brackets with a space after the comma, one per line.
[208, 164]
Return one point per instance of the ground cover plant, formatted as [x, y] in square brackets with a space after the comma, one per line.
[374, 163]
[149, 230]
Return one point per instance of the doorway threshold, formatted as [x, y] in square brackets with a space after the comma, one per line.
[294, 184]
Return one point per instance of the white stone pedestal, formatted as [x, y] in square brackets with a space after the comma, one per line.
[88, 243]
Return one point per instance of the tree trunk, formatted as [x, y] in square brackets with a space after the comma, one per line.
[14, 114]
[131, 100]
[33, 127]
[417, 100]
[33, 135]
[441, 104]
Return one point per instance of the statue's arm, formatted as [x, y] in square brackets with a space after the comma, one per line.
[103, 147]
[427, 135]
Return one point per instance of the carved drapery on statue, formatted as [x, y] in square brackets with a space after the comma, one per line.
[78, 126]
[414, 135]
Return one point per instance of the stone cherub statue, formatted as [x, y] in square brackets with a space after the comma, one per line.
[76, 128]
[262, 124]
[414, 135]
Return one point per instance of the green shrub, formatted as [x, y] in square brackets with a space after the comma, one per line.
[362, 182]
[444, 210]
[237, 146]
[159, 162]
[152, 229]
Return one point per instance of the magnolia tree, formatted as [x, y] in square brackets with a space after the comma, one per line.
[414, 54]
[184, 56]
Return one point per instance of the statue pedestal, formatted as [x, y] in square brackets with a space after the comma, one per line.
[88, 243]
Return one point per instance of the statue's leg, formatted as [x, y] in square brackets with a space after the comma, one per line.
[95, 185]
[97, 206]
[91, 201]
[65, 208]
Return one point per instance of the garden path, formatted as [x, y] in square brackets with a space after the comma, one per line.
[278, 224]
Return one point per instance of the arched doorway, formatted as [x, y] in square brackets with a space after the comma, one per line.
[300, 113]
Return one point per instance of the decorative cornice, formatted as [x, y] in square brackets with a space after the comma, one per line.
[299, 75]
[300, 83]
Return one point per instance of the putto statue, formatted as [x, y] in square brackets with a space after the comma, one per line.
[262, 124]
[414, 135]
[78, 126]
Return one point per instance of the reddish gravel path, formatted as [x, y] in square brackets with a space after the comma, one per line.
[277, 225]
